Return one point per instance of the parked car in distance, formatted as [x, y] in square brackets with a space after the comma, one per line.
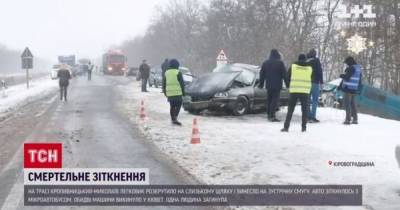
[155, 78]
[232, 88]
[132, 71]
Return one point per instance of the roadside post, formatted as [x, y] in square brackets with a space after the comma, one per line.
[221, 58]
[27, 63]
[3, 87]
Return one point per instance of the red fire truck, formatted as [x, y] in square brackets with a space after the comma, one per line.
[115, 63]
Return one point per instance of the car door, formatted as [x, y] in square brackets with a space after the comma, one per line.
[284, 97]
[260, 96]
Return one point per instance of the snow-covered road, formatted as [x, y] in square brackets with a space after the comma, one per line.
[93, 134]
[251, 150]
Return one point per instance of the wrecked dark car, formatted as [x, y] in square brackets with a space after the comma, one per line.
[232, 88]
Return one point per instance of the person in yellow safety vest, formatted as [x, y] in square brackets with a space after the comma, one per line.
[174, 89]
[299, 76]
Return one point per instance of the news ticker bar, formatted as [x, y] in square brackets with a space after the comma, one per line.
[86, 176]
[193, 195]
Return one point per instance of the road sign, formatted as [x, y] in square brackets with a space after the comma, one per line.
[27, 63]
[27, 53]
[27, 59]
[221, 58]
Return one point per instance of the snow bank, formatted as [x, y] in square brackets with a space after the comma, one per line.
[251, 150]
[17, 96]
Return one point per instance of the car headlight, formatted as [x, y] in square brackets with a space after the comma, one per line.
[221, 95]
[109, 68]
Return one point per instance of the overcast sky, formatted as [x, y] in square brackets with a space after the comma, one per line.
[81, 27]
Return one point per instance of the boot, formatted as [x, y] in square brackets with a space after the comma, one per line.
[284, 130]
[176, 122]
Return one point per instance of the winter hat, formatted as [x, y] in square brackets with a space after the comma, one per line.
[274, 54]
[173, 64]
[312, 53]
[302, 57]
[350, 61]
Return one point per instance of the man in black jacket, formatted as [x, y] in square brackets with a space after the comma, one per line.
[144, 70]
[317, 81]
[272, 73]
[351, 86]
[89, 70]
[64, 76]
[164, 68]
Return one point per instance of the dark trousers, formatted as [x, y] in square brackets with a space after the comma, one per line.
[272, 101]
[89, 75]
[350, 106]
[144, 84]
[63, 92]
[175, 103]
[293, 98]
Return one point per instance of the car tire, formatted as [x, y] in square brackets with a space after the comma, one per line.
[330, 101]
[241, 106]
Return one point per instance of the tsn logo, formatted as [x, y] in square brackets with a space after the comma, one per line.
[358, 11]
[42, 155]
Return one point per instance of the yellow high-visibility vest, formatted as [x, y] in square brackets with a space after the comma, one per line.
[173, 87]
[300, 80]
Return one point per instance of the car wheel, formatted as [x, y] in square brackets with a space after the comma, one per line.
[241, 106]
[330, 101]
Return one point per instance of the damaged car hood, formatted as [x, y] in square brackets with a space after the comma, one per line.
[210, 84]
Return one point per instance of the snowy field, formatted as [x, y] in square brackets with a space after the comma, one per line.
[251, 150]
[19, 78]
[16, 96]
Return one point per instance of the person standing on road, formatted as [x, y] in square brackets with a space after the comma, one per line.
[64, 76]
[3, 87]
[300, 74]
[272, 73]
[90, 69]
[351, 86]
[164, 67]
[174, 89]
[144, 70]
[317, 81]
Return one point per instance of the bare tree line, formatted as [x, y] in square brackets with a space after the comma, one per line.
[194, 31]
